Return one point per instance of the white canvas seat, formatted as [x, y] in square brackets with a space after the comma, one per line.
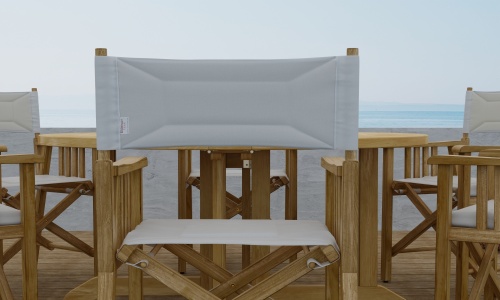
[231, 172]
[431, 181]
[238, 232]
[41, 180]
[19, 113]
[9, 215]
[326, 88]
[466, 217]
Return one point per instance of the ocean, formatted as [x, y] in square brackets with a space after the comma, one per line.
[55, 118]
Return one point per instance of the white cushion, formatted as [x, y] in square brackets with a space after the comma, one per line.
[432, 181]
[10, 182]
[9, 215]
[238, 173]
[466, 217]
[244, 232]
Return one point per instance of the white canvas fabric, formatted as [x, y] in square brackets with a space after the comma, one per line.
[9, 215]
[432, 181]
[481, 112]
[289, 103]
[239, 232]
[230, 172]
[19, 112]
[466, 217]
[13, 181]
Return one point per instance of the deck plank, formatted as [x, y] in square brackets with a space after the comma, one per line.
[60, 271]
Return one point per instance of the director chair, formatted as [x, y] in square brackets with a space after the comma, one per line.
[20, 115]
[420, 177]
[330, 86]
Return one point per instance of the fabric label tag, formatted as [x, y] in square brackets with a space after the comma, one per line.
[124, 125]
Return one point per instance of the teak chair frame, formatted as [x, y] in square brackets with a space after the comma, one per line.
[26, 230]
[415, 167]
[119, 210]
[477, 246]
[71, 163]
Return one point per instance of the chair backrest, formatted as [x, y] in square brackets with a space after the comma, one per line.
[415, 157]
[19, 112]
[481, 111]
[288, 103]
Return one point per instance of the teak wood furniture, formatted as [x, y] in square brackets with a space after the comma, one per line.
[230, 84]
[21, 224]
[23, 117]
[473, 227]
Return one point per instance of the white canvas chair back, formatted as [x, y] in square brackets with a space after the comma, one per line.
[290, 103]
[481, 112]
[19, 112]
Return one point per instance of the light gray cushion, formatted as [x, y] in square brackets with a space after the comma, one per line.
[432, 181]
[9, 215]
[466, 217]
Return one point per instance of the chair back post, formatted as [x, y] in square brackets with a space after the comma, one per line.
[350, 225]
[104, 220]
[102, 154]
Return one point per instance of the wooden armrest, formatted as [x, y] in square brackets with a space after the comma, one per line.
[129, 164]
[333, 164]
[21, 159]
[3, 148]
[444, 143]
[490, 153]
[463, 160]
[467, 149]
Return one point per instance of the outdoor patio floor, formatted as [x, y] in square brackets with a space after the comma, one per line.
[60, 271]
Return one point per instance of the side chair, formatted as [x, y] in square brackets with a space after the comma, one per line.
[480, 115]
[71, 181]
[475, 229]
[21, 224]
[327, 87]
[419, 178]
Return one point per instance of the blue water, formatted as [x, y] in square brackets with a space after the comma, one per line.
[367, 119]
[411, 119]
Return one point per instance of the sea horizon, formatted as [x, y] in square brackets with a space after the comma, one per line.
[371, 115]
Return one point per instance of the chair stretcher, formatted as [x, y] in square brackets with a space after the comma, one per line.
[175, 235]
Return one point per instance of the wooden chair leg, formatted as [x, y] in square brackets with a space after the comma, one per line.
[387, 210]
[5, 292]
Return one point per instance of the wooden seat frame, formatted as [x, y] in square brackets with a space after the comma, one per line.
[415, 166]
[71, 163]
[26, 230]
[477, 247]
[119, 210]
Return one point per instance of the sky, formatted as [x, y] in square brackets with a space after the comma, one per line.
[426, 51]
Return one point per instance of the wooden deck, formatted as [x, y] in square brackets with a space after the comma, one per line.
[60, 271]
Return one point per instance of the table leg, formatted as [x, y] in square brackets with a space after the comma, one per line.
[368, 216]
[387, 208]
[212, 202]
[261, 208]
[184, 197]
